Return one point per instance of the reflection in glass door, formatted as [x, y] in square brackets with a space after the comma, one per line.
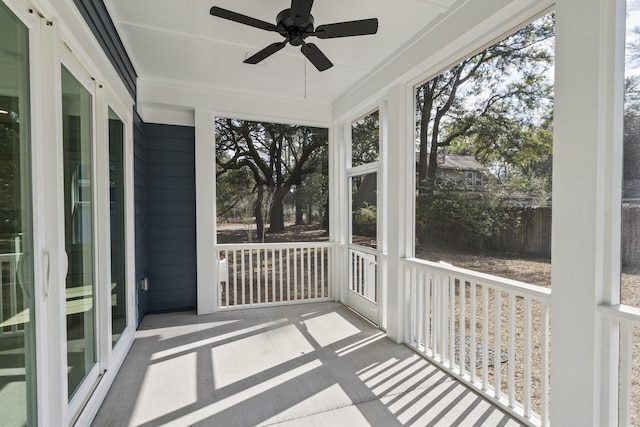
[79, 239]
[117, 224]
[17, 345]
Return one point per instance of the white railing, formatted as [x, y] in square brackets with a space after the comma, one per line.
[362, 273]
[491, 333]
[625, 323]
[9, 294]
[256, 275]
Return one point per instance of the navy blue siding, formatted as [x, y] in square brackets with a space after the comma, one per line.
[140, 210]
[97, 17]
[171, 217]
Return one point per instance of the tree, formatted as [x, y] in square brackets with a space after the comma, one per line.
[278, 158]
[498, 101]
[365, 139]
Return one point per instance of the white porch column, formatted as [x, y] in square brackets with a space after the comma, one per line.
[586, 206]
[397, 205]
[207, 268]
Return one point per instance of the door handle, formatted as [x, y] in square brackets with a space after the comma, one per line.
[46, 268]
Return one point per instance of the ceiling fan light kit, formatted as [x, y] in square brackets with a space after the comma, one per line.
[295, 25]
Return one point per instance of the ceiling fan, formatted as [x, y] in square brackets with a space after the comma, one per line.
[295, 25]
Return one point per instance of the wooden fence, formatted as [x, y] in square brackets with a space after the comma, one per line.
[532, 235]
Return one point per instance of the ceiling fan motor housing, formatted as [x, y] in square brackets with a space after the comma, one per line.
[293, 28]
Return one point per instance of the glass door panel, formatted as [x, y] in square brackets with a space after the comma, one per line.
[79, 238]
[363, 243]
[117, 224]
[17, 345]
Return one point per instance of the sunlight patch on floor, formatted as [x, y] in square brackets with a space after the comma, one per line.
[167, 387]
[246, 357]
[330, 328]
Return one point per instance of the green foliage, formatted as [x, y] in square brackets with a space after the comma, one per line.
[365, 220]
[365, 139]
[449, 212]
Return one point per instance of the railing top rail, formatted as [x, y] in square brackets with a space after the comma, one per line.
[363, 249]
[289, 245]
[621, 313]
[10, 256]
[520, 288]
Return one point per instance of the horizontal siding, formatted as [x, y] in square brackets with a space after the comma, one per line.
[97, 18]
[170, 215]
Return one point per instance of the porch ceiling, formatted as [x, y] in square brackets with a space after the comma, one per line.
[175, 43]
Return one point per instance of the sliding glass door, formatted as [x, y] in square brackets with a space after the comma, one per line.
[17, 343]
[117, 226]
[77, 125]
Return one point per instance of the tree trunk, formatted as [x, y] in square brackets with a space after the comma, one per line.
[299, 213]
[276, 218]
[433, 164]
[257, 212]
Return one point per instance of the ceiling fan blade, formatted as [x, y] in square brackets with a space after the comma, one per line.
[315, 55]
[265, 53]
[242, 19]
[347, 29]
[301, 8]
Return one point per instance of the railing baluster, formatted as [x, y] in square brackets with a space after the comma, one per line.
[429, 280]
[473, 315]
[258, 274]
[419, 319]
[544, 365]
[445, 320]
[235, 277]
[323, 285]
[452, 321]
[295, 274]
[626, 365]
[435, 316]
[226, 283]
[244, 281]
[242, 271]
[315, 272]
[527, 357]
[497, 341]
[512, 350]
[463, 327]
[281, 298]
[485, 337]
[251, 276]
[273, 276]
[309, 275]
[423, 283]
[288, 275]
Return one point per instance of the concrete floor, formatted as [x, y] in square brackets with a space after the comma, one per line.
[300, 365]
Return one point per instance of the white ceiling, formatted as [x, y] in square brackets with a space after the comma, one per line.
[178, 42]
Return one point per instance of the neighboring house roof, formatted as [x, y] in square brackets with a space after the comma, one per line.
[454, 161]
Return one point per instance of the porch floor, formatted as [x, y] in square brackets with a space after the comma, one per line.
[300, 365]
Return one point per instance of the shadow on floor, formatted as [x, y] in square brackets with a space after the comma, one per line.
[299, 365]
